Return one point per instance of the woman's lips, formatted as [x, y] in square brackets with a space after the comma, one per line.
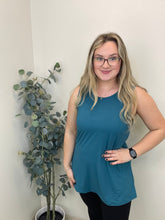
[105, 71]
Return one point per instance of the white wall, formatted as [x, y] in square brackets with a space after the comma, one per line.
[64, 30]
[17, 198]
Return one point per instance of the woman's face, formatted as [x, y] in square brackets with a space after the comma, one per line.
[107, 70]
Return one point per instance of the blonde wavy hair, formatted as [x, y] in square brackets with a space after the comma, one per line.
[126, 82]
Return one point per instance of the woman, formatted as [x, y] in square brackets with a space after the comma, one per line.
[100, 114]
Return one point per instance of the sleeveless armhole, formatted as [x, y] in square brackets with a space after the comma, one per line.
[77, 98]
[82, 99]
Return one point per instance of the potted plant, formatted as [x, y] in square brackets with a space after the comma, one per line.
[45, 132]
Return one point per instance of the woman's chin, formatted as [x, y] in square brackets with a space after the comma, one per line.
[105, 78]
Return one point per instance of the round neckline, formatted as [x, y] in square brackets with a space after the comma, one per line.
[108, 96]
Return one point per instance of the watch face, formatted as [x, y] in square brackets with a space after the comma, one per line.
[132, 153]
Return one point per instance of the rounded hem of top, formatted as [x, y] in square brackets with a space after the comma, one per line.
[111, 203]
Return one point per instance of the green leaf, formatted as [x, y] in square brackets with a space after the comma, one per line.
[42, 119]
[54, 120]
[35, 123]
[69, 185]
[32, 129]
[56, 136]
[63, 175]
[23, 84]
[26, 124]
[30, 82]
[58, 114]
[39, 181]
[63, 193]
[38, 161]
[50, 72]
[29, 73]
[16, 87]
[48, 80]
[50, 137]
[18, 115]
[64, 113]
[65, 187]
[45, 193]
[38, 170]
[40, 101]
[54, 152]
[27, 109]
[51, 144]
[42, 191]
[39, 191]
[35, 152]
[45, 145]
[44, 131]
[21, 71]
[43, 124]
[58, 70]
[31, 96]
[27, 162]
[33, 102]
[62, 180]
[57, 65]
[34, 116]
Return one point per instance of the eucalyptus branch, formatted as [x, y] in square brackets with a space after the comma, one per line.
[46, 133]
[59, 191]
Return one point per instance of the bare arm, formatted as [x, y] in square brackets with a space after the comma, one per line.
[153, 119]
[70, 135]
[155, 122]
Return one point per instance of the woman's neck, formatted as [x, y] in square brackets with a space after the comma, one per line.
[105, 89]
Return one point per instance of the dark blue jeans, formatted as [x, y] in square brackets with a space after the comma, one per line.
[98, 210]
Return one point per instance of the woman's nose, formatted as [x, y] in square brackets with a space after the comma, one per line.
[106, 64]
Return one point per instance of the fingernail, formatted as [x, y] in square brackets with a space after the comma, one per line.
[106, 159]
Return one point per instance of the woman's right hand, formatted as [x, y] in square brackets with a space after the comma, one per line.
[69, 173]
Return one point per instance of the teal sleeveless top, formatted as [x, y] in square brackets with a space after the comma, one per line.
[99, 130]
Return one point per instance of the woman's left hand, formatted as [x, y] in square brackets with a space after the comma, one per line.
[117, 156]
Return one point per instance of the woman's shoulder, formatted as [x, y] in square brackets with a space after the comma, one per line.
[140, 91]
[75, 93]
[143, 98]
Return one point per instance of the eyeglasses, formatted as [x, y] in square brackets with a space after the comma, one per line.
[112, 61]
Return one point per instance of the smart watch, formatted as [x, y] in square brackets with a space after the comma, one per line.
[132, 153]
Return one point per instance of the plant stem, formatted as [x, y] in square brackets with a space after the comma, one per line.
[60, 189]
[48, 197]
[53, 177]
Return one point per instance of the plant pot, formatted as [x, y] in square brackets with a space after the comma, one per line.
[43, 210]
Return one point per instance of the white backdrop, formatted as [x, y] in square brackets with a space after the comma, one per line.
[18, 200]
[64, 30]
